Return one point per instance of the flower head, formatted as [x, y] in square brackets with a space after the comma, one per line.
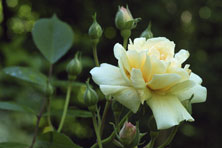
[127, 133]
[124, 19]
[74, 67]
[151, 71]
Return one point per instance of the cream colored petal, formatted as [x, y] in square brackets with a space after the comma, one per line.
[118, 50]
[154, 52]
[163, 45]
[107, 74]
[182, 56]
[158, 66]
[181, 87]
[139, 41]
[161, 81]
[144, 94]
[125, 61]
[147, 69]
[124, 72]
[128, 98]
[180, 71]
[136, 77]
[168, 111]
[156, 40]
[199, 94]
[134, 58]
[137, 44]
[195, 78]
[112, 89]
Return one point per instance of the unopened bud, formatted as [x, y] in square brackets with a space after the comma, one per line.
[147, 33]
[124, 19]
[90, 96]
[74, 67]
[127, 133]
[95, 31]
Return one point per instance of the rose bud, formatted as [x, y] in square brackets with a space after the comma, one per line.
[74, 67]
[147, 33]
[95, 31]
[90, 97]
[127, 133]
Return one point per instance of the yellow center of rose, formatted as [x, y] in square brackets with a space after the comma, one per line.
[154, 65]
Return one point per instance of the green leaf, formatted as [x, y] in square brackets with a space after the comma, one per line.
[72, 113]
[12, 106]
[27, 74]
[52, 37]
[55, 140]
[12, 145]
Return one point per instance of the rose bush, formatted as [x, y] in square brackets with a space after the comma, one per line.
[150, 71]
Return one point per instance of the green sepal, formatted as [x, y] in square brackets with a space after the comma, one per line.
[147, 33]
[188, 105]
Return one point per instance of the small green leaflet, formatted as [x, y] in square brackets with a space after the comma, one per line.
[52, 37]
[27, 74]
[12, 106]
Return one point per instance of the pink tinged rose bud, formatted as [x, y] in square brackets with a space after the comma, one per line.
[124, 19]
[127, 133]
[126, 14]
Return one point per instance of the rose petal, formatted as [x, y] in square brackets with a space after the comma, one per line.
[147, 69]
[181, 87]
[158, 67]
[180, 71]
[126, 96]
[125, 61]
[163, 45]
[168, 111]
[144, 94]
[199, 94]
[137, 78]
[118, 50]
[195, 78]
[107, 74]
[161, 81]
[136, 59]
[182, 56]
[137, 44]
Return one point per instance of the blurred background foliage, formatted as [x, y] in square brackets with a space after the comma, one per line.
[192, 25]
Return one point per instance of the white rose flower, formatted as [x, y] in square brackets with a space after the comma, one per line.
[150, 71]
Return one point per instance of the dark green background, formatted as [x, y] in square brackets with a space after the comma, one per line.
[192, 25]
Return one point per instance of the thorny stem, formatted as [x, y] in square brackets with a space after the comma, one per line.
[37, 123]
[65, 108]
